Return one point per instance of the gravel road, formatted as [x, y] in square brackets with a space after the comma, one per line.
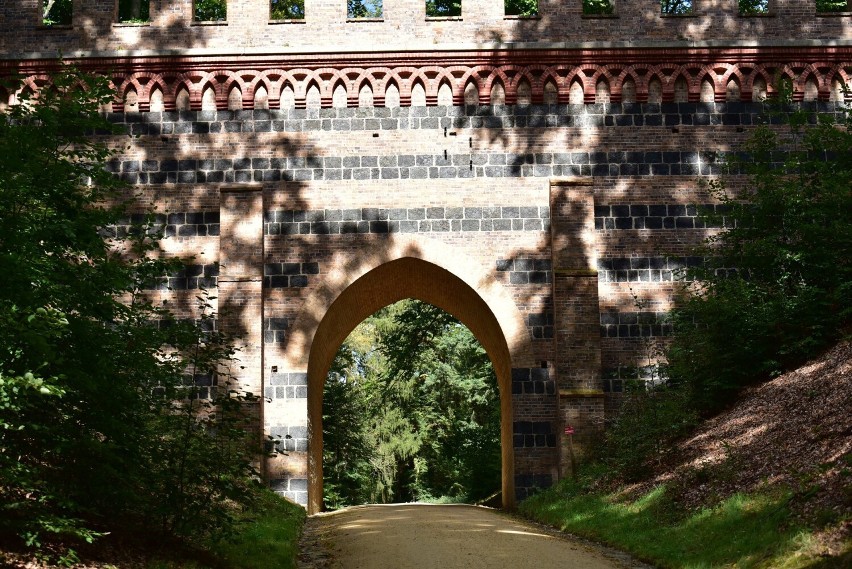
[419, 536]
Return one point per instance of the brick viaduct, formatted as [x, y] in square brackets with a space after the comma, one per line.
[529, 175]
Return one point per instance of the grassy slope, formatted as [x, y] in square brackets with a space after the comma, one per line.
[767, 484]
[743, 531]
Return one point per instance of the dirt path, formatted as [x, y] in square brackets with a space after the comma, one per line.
[418, 536]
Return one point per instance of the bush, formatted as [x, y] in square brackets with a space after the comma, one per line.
[650, 420]
[114, 412]
[777, 284]
[775, 288]
[524, 8]
[211, 10]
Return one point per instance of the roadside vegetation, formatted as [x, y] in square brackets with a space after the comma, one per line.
[744, 530]
[767, 484]
[117, 415]
[265, 537]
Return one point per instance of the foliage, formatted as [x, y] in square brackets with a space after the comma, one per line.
[287, 10]
[211, 10]
[346, 444]
[104, 416]
[443, 8]
[137, 11]
[602, 7]
[777, 284]
[410, 411]
[57, 12]
[832, 5]
[750, 7]
[521, 7]
[642, 435]
[676, 7]
[364, 9]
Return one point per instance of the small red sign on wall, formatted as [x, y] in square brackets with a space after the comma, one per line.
[569, 430]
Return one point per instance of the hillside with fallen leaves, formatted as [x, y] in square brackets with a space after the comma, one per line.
[794, 432]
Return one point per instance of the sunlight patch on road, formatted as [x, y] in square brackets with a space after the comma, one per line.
[518, 532]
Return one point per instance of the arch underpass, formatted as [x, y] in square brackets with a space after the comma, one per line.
[406, 277]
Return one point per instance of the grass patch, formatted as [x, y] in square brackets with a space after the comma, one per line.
[745, 530]
[267, 537]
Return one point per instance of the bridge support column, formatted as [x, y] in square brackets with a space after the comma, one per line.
[576, 317]
[240, 292]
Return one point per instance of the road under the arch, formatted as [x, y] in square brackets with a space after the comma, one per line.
[419, 536]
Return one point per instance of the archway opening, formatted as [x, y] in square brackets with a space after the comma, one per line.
[386, 284]
[411, 412]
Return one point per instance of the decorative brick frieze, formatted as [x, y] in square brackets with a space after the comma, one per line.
[688, 74]
[292, 385]
[530, 434]
[635, 324]
[659, 216]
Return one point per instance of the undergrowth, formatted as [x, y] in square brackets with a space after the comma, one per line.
[266, 537]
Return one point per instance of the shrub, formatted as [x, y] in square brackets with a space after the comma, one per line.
[114, 412]
[777, 284]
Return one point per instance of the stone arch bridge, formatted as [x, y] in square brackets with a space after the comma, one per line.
[533, 180]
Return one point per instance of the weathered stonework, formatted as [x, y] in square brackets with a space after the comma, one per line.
[522, 174]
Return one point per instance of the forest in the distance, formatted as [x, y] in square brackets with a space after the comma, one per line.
[411, 411]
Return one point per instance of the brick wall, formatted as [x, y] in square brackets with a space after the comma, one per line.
[573, 254]
[555, 230]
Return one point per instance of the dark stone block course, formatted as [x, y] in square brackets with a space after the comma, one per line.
[647, 269]
[410, 220]
[288, 275]
[392, 166]
[655, 216]
[634, 324]
[527, 485]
